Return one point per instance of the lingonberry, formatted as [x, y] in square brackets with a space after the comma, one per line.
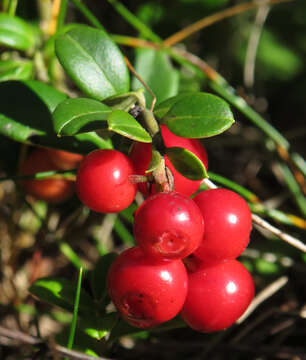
[168, 226]
[228, 224]
[217, 296]
[141, 154]
[63, 159]
[50, 190]
[147, 292]
[103, 182]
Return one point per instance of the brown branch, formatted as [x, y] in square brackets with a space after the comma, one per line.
[53, 348]
[209, 20]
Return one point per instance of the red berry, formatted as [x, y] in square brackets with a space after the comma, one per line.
[145, 292]
[168, 226]
[63, 159]
[141, 154]
[228, 224]
[103, 181]
[50, 190]
[217, 296]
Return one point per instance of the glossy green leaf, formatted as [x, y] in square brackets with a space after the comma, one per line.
[186, 163]
[80, 115]
[99, 274]
[61, 292]
[198, 115]
[161, 109]
[124, 124]
[26, 116]
[93, 61]
[16, 33]
[155, 161]
[156, 70]
[15, 70]
[98, 327]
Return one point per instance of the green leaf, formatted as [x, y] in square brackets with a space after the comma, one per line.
[198, 115]
[124, 124]
[61, 292]
[156, 70]
[16, 70]
[161, 109]
[99, 275]
[25, 116]
[80, 115]
[98, 327]
[16, 33]
[155, 161]
[93, 61]
[186, 163]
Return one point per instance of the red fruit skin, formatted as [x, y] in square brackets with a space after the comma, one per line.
[63, 159]
[50, 190]
[168, 226]
[103, 181]
[217, 296]
[141, 154]
[228, 223]
[147, 292]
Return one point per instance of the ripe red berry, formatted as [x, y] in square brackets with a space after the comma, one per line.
[168, 226]
[50, 190]
[145, 292]
[217, 296]
[141, 154]
[103, 181]
[228, 224]
[63, 159]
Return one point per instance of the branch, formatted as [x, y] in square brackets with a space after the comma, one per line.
[265, 225]
[58, 349]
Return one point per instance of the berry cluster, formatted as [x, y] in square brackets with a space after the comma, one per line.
[180, 267]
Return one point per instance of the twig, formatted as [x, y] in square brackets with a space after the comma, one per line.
[58, 349]
[209, 20]
[139, 78]
[264, 224]
[263, 295]
[249, 67]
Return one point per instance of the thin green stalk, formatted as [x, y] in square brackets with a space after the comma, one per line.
[221, 87]
[294, 188]
[144, 30]
[88, 14]
[278, 216]
[299, 162]
[123, 232]
[40, 175]
[12, 7]
[61, 14]
[5, 5]
[75, 310]
[248, 195]
[71, 255]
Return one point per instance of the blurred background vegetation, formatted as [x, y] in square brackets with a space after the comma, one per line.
[271, 78]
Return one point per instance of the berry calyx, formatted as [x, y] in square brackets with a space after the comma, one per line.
[217, 296]
[228, 224]
[146, 292]
[50, 190]
[103, 182]
[168, 226]
[141, 154]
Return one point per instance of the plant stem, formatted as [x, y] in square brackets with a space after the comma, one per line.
[75, 310]
[144, 30]
[61, 14]
[69, 174]
[12, 7]
[88, 14]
